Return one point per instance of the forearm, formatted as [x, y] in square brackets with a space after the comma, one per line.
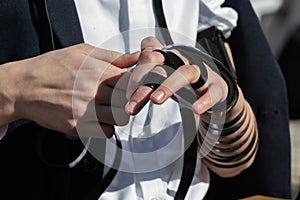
[228, 145]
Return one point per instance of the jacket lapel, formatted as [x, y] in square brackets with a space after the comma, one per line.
[65, 22]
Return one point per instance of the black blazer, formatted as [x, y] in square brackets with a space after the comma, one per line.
[24, 174]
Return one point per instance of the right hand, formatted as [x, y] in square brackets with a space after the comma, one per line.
[69, 90]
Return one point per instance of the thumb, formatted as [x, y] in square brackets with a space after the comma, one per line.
[113, 57]
[126, 60]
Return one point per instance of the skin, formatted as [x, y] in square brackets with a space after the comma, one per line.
[42, 89]
[214, 91]
[76, 89]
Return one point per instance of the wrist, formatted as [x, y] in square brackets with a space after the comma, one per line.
[229, 139]
[10, 89]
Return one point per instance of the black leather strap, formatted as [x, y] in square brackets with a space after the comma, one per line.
[190, 155]
[197, 56]
[212, 40]
[102, 185]
[161, 20]
[153, 80]
[171, 59]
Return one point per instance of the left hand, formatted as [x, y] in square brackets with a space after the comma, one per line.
[213, 91]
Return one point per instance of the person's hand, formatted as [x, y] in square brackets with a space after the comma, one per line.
[212, 92]
[72, 90]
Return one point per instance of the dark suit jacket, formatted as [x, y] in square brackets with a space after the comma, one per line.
[24, 174]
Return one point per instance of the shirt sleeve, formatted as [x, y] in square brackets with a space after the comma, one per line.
[212, 14]
[3, 130]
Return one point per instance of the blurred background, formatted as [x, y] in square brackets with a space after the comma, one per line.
[280, 20]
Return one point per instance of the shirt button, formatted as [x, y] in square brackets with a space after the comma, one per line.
[142, 137]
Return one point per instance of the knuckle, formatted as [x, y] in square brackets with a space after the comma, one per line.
[141, 92]
[147, 40]
[192, 72]
[192, 69]
[149, 57]
[84, 48]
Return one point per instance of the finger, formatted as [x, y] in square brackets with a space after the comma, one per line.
[103, 72]
[100, 69]
[107, 95]
[115, 58]
[148, 60]
[183, 76]
[138, 100]
[111, 115]
[208, 100]
[203, 104]
[107, 130]
[118, 80]
[125, 60]
[150, 43]
[141, 96]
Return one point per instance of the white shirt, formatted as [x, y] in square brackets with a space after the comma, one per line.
[151, 167]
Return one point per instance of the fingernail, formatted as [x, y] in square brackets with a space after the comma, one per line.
[131, 107]
[158, 95]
